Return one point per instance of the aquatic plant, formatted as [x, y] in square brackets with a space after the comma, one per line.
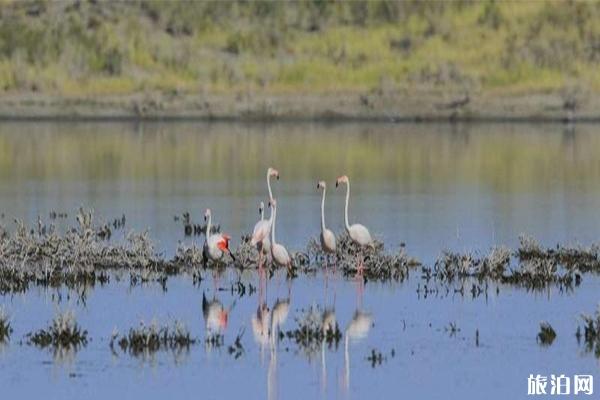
[546, 335]
[79, 257]
[377, 264]
[63, 332]
[5, 326]
[153, 337]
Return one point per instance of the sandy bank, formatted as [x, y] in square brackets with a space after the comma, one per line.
[374, 106]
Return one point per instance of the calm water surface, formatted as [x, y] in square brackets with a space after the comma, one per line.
[432, 187]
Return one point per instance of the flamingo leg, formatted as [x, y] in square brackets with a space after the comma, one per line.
[359, 267]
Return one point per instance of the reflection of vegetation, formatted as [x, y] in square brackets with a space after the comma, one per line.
[546, 335]
[5, 328]
[509, 158]
[151, 338]
[77, 47]
[591, 333]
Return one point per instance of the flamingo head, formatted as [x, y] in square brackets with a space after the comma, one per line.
[261, 207]
[223, 244]
[341, 179]
[206, 214]
[273, 203]
[321, 185]
[273, 172]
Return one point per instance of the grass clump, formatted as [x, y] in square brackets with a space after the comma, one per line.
[151, 338]
[378, 265]
[64, 332]
[546, 335]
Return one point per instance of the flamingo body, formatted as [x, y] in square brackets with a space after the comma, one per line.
[357, 232]
[215, 245]
[327, 236]
[360, 235]
[279, 253]
[328, 241]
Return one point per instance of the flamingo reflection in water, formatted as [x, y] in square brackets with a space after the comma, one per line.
[280, 312]
[357, 330]
[328, 324]
[216, 317]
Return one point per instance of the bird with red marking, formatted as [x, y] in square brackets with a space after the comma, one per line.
[215, 245]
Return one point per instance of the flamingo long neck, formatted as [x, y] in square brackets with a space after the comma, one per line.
[323, 211]
[269, 186]
[346, 208]
[208, 226]
[273, 218]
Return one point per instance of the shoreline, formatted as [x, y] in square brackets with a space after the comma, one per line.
[397, 107]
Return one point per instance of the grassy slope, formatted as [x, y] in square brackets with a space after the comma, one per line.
[83, 49]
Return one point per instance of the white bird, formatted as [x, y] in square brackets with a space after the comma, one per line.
[327, 236]
[263, 227]
[261, 230]
[357, 232]
[278, 252]
[215, 246]
[215, 315]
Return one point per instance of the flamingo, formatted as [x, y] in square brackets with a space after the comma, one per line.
[261, 230]
[278, 252]
[215, 245]
[260, 235]
[327, 236]
[357, 232]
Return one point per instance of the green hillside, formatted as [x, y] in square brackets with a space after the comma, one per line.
[81, 48]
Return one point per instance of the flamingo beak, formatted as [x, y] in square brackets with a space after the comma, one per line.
[337, 183]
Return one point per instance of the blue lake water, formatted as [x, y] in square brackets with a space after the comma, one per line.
[432, 187]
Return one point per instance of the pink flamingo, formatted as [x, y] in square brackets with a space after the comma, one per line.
[357, 232]
[327, 236]
[215, 246]
[260, 235]
[278, 252]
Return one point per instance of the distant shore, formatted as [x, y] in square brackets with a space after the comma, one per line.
[330, 107]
